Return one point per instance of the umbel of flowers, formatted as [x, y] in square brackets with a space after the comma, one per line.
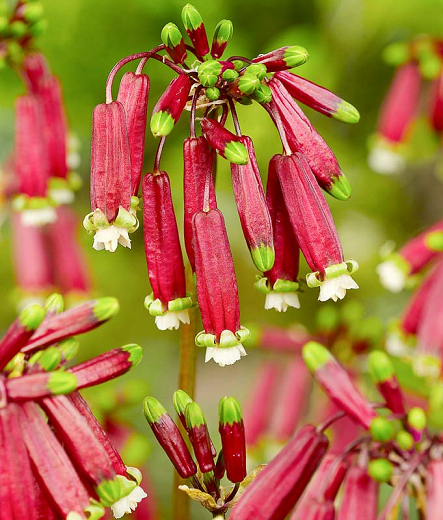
[417, 62]
[57, 461]
[292, 214]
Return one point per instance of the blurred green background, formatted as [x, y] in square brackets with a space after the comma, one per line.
[85, 38]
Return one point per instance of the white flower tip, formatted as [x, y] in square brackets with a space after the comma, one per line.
[281, 301]
[129, 503]
[61, 195]
[171, 320]
[225, 356]
[109, 238]
[396, 346]
[335, 288]
[38, 217]
[391, 276]
[385, 161]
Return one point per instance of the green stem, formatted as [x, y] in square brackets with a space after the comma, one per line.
[186, 382]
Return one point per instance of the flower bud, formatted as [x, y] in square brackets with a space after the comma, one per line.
[173, 40]
[383, 375]
[168, 301]
[224, 142]
[133, 95]
[248, 83]
[283, 58]
[416, 420]
[382, 430]
[170, 106]
[222, 36]
[195, 28]
[181, 400]
[199, 436]
[208, 72]
[232, 433]
[380, 470]
[35, 68]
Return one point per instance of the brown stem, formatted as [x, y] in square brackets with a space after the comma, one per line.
[186, 382]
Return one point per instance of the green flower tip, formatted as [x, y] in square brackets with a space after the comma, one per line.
[380, 470]
[230, 75]
[135, 353]
[340, 188]
[212, 93]
[396, 54]
[54, 303]
[263, 257]
[50, 359]
[346, 113]
[208, 72]
[171, 35]
[61, 382]
[434, 240]
[263, 94]
[194, 415]
[32, 316]
[417, 418]
[33, 12]
[380, 367]
[229, 411]
[162, 124]
[153, 410]
[404, 440]
[248, 84]
[257, 69]
[105, 308]
[191, 18]
[181, 400]
[236, 152]
[295, 56]
[68, 348]
[381, 429]
[315, 355]
[223, 31]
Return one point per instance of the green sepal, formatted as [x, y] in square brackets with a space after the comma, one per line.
[191, 18]
[263, 94]
[171, 35]
[126, 485]
[295, 56]
[180, 304]
[135, 353]
[153, 410]
[257, 69]
[68, 348]
[48, 360]
[181, 400]
[261, 284]
[135, 474]
[248, 84]
[229, 411]
[194, 415]
[208, 72]
[212, 93]
[380, 367]
[230, 75]
[95, 510]
[285, 286]
[205, 340]
[434, 240]
[223, 31]
[109, 491]
[236, 153]
[382, 430]
[54, 303]
[61, 382]
[162, 124]
[154, 307]
[380, 470]
[32, 316]
[263, 257]
[106, 307]
[333, 271]
[126, 220]
[316, 356]
[228, 339]
[340, 188]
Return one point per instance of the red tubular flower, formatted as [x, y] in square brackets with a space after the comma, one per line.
[411, 258]
[69, 264]
[74, 321]
[436, 104]
[169, 437]
[360, 496]
[252, 209]
[17, 490]
[168, 301]
[398, 112]
[434, 496]
[277, 339]
[31, 163]
[261, 403]
[199, 161]
[35, 68]
[314, 228]
[277, 488]
[294, 391]
[302, 137]
[319, 98]
[32, 263]
[383, 375]
[232, 433]
[133, 95]
[337, 384]
[318, 501]
[174, 43]
[217, 290]
[195, 28]
[111, 190]
[283, 58]
[222, 36]
[280, 283]
[224, 142]
[170, 106]
[199, 437]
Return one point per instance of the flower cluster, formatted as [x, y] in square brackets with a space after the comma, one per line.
[292, 215]
[417, 62]
[58, 462]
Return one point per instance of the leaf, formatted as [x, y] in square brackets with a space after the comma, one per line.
[205, 499]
